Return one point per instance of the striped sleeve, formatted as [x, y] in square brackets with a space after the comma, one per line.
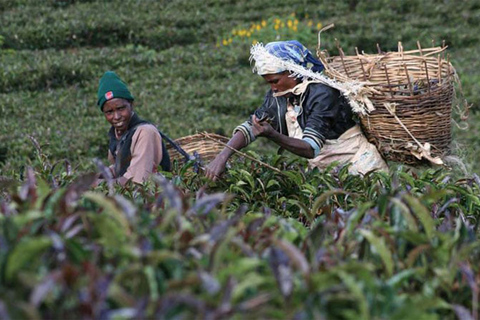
[314, 138]
[246, 129]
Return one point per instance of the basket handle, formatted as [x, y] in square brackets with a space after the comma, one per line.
[319, 39]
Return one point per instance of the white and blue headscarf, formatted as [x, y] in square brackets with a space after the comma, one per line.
[292, 56]
[281, 56]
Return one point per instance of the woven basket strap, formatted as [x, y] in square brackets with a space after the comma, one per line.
[176, 146]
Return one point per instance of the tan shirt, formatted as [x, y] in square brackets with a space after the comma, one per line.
[146, 150]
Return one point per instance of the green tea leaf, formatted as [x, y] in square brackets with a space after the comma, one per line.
[380, 248]
[423, 215]
[27, 250]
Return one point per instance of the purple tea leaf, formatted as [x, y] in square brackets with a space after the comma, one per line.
[462, 312]
[227, 293]
[75, 190]
[3, 311]
[126, 207]
[295, 255]
[40, 291]
[74, 231]
[280, 264]
[206, 203]
[469, 276]
[220, 229]
[253, 303]
[68, 222]
[209, 283]
[254, 225]
[246, 249]
[28, 189]
[106, 174]
[57, 242]
[170, 192]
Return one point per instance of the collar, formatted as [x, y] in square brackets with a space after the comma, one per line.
[298, 90]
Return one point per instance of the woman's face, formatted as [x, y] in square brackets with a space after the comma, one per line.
[280, 82]
[118, 113]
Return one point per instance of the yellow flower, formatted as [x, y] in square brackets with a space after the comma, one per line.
[295, 22]
[254, 42]
[310, 23]
[277, 21]
[319, 25]
[249, 34]
[264, 23]
[276, 27]
[259, 27]
[295, 28]
[234, 32]
[230, 40]
[225, 42]
[289, 23]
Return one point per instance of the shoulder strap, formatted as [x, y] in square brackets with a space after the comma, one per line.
[177, 147]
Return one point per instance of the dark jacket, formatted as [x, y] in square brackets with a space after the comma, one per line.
[325, 115]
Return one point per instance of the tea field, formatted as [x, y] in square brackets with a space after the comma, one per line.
[261, 243]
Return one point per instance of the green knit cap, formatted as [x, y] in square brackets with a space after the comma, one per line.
[111, 86]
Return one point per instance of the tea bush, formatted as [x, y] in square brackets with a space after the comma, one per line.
[294, 243]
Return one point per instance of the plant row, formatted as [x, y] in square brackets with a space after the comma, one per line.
[159, 25]
[293, 244]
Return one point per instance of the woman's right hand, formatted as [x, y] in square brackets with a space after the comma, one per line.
[216, 168]
[261, 128]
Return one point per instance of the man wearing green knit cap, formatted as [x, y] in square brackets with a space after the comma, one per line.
[135, 148]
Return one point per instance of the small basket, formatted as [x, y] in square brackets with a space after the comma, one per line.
[206, 146]
[413, 99]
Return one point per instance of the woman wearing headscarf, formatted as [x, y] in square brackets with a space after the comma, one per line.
[301, 114]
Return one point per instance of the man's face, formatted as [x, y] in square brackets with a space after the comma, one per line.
[280, 82]
[118, 113]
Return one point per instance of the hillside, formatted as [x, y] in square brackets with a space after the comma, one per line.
[174, 57]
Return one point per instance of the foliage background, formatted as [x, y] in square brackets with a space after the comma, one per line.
[187, 63]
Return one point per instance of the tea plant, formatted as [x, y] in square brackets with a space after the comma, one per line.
[296, 244]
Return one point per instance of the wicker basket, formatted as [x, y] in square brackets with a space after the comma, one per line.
[411, 122]
[207, 146]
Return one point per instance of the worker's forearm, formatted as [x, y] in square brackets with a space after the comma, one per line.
[296, 146]
[237, 142]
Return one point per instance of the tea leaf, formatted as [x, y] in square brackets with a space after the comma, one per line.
[381, 249]
[423, 215]
[25, 252]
